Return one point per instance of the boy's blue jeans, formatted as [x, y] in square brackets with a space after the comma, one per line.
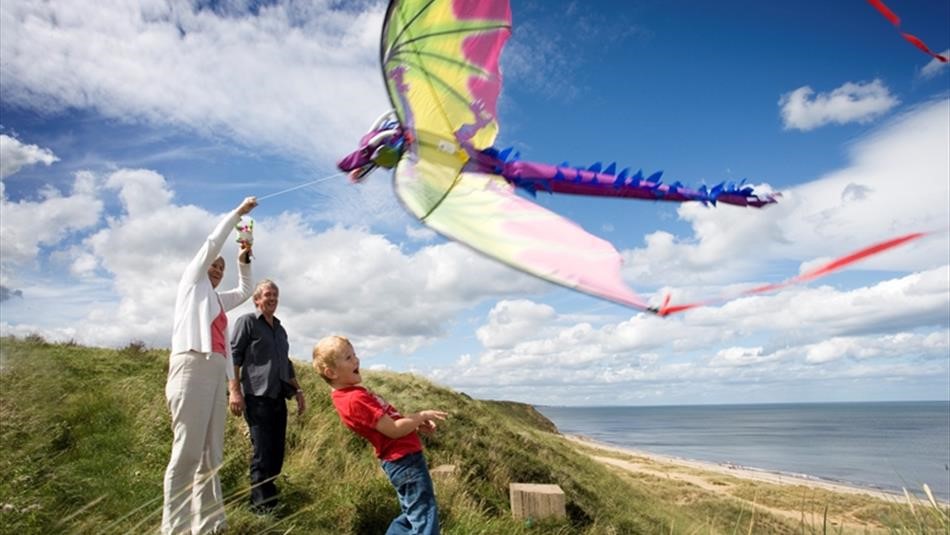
[410, 476]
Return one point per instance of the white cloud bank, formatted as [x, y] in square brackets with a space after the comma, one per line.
[264, 80]
[339, 280]
[30, 224]
[895, 183]
[802, 109]
[896, 330]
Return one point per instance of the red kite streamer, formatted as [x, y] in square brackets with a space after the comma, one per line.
[896, 21]
[811, 274]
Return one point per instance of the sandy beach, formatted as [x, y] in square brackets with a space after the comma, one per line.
[646, 462]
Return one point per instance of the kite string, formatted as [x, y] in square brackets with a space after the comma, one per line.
[317, 181]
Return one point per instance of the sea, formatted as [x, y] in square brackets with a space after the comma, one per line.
[882, 446]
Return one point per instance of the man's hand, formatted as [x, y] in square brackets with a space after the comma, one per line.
[301, 402]
[236, 401]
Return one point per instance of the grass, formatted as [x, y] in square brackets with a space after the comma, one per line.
[86, 437]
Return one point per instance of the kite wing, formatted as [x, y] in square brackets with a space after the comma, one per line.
[440, 62]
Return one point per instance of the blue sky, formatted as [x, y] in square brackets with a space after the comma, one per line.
[128, 128]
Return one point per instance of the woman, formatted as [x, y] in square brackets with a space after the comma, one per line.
[196, 390]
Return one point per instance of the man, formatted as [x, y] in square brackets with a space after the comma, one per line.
[264, 377]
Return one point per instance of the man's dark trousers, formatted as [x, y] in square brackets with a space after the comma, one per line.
[267, 421]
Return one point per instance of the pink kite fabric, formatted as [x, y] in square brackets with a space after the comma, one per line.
[896, 21]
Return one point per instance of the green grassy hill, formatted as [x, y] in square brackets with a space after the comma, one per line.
[86, 437]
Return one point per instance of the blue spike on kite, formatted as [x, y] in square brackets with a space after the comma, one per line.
[503, 155]
[564, 164]
[594, 167]
[655, 177]
[611, 169]
[527, 186]
[637, 178]
[621, 178]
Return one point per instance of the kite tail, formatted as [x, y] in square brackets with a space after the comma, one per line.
[896, 21]
[599, 181]
[667, 309]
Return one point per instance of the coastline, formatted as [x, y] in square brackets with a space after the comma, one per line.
[729, 469]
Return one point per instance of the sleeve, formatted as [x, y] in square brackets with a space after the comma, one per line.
[235, 296]
[240, 340]
[290, 364]
[229, 372]
[364, 411]
[211, 248]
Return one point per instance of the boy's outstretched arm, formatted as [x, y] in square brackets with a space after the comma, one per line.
[403, 426]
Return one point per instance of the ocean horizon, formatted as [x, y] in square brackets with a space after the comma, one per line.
[878, 445]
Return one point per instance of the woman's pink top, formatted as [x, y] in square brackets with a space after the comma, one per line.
[218, 337]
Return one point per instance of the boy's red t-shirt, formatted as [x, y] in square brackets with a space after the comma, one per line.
[360, 410]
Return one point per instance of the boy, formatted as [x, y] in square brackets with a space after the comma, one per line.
[392, 435]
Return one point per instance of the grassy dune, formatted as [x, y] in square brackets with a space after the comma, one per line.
[86, 437]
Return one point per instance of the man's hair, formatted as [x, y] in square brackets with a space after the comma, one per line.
[259, 289]
[325, 353]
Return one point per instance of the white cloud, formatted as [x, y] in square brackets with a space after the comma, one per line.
[512, 321]
[852, 102]
[738, 356]
[935, 66]
[895, 183]
[28, 225]
[897, 329]
[264, 80]
[141, 191]
[14, 155]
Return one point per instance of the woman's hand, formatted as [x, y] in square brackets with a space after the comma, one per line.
[245, 254]
[247, 205]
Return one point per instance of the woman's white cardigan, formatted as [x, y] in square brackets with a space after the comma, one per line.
[197, 303]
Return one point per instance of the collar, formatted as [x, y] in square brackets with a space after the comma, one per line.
[260, 315]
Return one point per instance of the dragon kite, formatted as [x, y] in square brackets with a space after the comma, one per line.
[440, 62]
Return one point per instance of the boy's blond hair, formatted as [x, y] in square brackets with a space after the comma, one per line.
[325, 353]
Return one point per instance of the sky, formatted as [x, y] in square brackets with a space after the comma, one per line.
[129, 128]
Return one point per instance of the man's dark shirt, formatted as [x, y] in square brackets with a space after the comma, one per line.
[261, 351]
